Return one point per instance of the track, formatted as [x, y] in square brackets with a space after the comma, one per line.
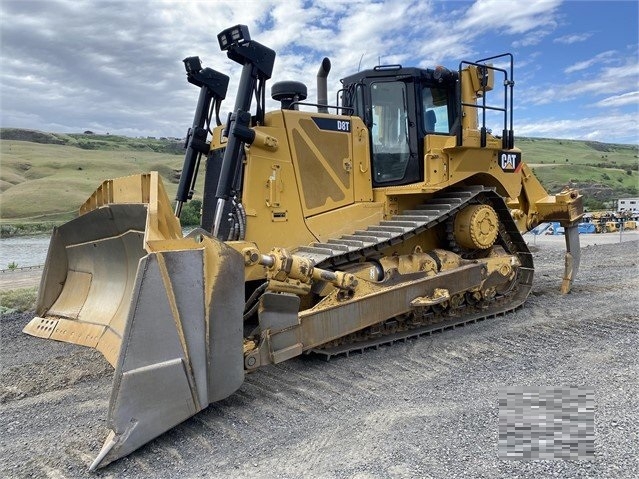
[373, 240]
[436, 211]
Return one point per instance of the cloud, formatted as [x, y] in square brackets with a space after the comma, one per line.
[591, 87]
[574, 38]
[496, 15]
[630, 98]
[121, 61]
[621, 128]
[583, 65]
[113, 65]
[533, 38]
[605, 81]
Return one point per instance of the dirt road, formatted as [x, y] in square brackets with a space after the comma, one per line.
[23, 278]
[424, 408]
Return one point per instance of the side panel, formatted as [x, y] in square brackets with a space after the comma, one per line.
[446, 165]
[364, 212]
[271, 197]
[362, 172]
[320, 165]
[321, 148]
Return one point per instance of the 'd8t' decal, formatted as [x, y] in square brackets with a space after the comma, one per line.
[332, 124]
[343, 125]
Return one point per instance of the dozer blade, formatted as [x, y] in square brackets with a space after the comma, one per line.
[166, 311]
[182, 344]
[572, 258]
[89, 277]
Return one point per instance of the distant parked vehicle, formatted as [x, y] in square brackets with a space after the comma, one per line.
[586, 228]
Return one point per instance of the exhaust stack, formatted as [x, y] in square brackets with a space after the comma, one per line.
[322, 85]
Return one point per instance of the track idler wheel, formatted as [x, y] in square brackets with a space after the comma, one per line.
[476, 227]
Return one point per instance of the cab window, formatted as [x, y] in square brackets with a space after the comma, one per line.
[435, 108]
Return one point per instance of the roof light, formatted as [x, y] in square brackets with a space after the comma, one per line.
[237, 35]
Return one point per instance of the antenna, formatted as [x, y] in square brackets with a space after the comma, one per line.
[359, 65]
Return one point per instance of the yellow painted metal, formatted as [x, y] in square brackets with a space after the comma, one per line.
[146, 188]
[566, 283]
[362, 180]
[90, 301]
[315, 185]
[476, 227]
[439, 296]
[322, 160]
[302, 184]
[478, 76]
[611, 226]
[109, 345]
[468, 94]
[271, 195]
[41, 327]
[373, 302]
[73, 296]
[344, 221]
[534, 205]
[130, 189]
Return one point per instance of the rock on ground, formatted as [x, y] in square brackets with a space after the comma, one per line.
[424, 408]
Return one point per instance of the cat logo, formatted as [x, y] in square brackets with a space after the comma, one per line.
[509, 161]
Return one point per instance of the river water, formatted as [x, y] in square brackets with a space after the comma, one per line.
[30, 250]
[24, 250]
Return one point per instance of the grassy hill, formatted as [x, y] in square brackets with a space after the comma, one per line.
[90, 141]
[602, 171]
[45, 177]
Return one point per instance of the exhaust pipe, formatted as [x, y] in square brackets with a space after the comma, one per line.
[322, 85]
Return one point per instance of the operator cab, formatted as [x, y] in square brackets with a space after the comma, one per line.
[400, 106]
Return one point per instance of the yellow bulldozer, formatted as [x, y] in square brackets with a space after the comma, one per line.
[325, 228]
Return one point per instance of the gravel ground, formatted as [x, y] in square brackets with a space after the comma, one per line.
[424, 408]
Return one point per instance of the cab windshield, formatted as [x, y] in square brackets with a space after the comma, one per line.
[390, 140]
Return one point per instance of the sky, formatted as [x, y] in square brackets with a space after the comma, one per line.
[116, 67]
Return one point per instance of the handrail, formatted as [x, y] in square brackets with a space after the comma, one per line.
[508, 137]
[305, 103]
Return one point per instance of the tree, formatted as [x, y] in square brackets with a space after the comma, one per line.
[190, 215]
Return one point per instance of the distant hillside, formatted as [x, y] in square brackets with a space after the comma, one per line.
[602, 171]
[47, 176]
[91, 141]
